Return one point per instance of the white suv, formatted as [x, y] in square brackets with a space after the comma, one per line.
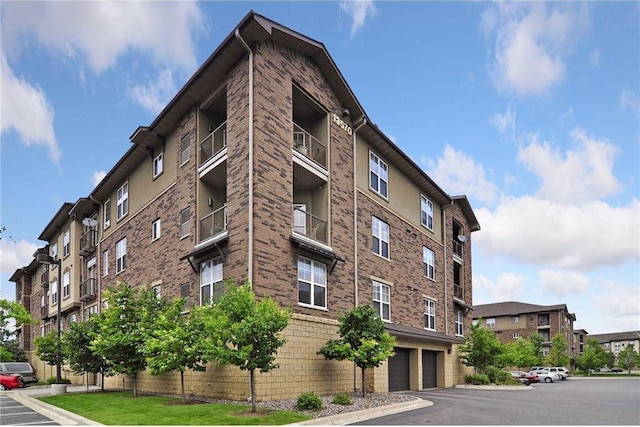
[558, 370]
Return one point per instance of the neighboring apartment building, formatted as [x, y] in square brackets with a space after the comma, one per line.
[617, 341]
[264, 167]
[580, 340]
[512, 320]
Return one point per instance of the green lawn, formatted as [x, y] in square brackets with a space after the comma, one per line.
[121, 408]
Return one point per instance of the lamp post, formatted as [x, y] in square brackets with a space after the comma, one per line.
[46, 259]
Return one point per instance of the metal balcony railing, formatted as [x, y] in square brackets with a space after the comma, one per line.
[88, 290]
[309, 146]
[44, 279]
[457, 248]
[213, 223]
[309, 225]
[88, 242]
[457, 292]
[213, 143]
[44, 311]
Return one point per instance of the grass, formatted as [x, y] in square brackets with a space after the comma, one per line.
[121, 408]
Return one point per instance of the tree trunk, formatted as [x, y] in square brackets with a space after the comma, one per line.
[182, 385]
[364, 386]
[252, 387]
[102, 381]
[135, 386]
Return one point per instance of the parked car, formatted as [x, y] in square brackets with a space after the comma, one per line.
[616, 369]
[546, 376]
[9, 381]
[525, 377]
[566, 371]
[24, 369]
[558, 370]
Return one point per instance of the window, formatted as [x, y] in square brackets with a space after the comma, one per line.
[379, 175]
[157, 291]
[430, 314]
[459, 322]
[54, 292]
[184, 222]
[66, 284]
[107, 213]
[516, 335]
[426, 212]
[54, 254]
[428, 258]
[210, 281]
[185, 293]
[121, 255]
[491, 322]
[382, 300]
[185, 152]
[158, 165]
[105, 262]
[155, 230]
[66, 246]
[72, 318]
[300, 218]
[380, 231]
[123, 200]
[312, 283]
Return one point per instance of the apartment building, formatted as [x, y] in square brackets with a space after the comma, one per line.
[265, 167]
[615, 342]
[513, 320]
[580, 340]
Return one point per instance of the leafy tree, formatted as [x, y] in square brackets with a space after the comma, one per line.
[520, 353]
[80, 355]
[244, 332]
[481, 348]
[628, 358]
[536, 340]
[47, 349]
[176, 342]
[10, 351]
[363, 340]
[124, 327]
[610, 360]
[558, 354]
[593, 356]
[12, 310]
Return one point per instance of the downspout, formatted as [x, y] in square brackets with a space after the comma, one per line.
[250, 254]
[99, 252]
[446, 268]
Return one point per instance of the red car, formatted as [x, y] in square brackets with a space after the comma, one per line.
[9, 381]
[525, 377]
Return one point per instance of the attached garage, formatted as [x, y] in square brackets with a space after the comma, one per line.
[429, 369]
[399, 370]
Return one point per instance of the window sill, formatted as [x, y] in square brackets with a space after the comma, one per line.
[313, 307]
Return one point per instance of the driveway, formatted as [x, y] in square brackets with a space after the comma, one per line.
[576, 401]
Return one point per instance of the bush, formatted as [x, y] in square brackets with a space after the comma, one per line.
[52, 380]
[309, 402]
[342, 399]
[477, 379]
[498, 376]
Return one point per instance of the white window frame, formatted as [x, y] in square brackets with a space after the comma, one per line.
[490, 322]
[54, 254]
[54, 292]
[185, 149]
[107, 213]
[66, 243]
[156, 230]
[158, 291]
[429, 263]
[121, 255]
[158, 164]
[380, 240]
[184, 224]
[429, 314]
[72, 318]
[459, 322]
[378, 175]
[314, 275]
[122, 200]
[426, 212]
[66, 284]
[516, 335]
[515, 319]
[211, 276]
[105, 262]
[300, 218]
[381, 299]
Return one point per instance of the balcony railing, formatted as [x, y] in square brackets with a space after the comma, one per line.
[88, 242]
[44, 311]
[44, 279]
[309, 146]
[88, 290]
[213, 143]
[213, 223]
[457, 248]
[457, 292]
[543, 321]
[308, 224]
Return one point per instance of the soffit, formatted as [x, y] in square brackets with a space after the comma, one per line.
[57, 222]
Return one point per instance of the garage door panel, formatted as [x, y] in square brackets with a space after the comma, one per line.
[399, 370]
[429, 369]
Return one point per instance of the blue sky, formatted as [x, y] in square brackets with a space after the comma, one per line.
[530, 109]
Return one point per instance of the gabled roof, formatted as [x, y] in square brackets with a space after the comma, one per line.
[514, 308]
[616, 336]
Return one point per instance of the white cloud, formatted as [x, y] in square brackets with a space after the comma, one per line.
[155, 95]
[507, 287]
[629, 101]
[579, 175]
[457, 174]
[13, 255]
[25, 109]
[504, 122]
[531, 43]
[561, 283]
[359, 10]
[97, 177]
[594, 57]
[545, 233]
[622, 301]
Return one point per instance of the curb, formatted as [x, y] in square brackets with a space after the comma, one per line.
[58, 415]
[366, 414]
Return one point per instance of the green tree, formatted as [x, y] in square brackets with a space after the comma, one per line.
[12, 311]
[123, 329]
[558, 354]
[363, 340]
[80, 355]
[47, 349]
[536, 340]
[481, 348]
[628, 358]
[244, 332]
[10, 351]
[520, 353]
[593, 356]
[176, 342]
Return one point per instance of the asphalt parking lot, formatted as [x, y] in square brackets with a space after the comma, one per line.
[576, 401]
[15, 413]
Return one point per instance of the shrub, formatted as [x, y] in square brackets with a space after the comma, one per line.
[342, 399]
[309, 402]
[477, 379]
[52, 380]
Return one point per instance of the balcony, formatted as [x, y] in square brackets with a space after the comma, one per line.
[457, 292]
[44, 312]
[309, 146]
[88, 290]
[213, 143]
[457, 249]
[88, 242]
[44, 279]
[309, 225]
[213, 224]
